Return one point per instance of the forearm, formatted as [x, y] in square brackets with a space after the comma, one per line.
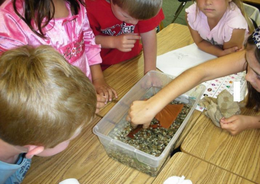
[96, 72]
[219, 67]
[149, 60]
[178, 86]
[149, 41]
[236, 40]
[105, 41]
[205, 45]
[253, 122]
[209, 48]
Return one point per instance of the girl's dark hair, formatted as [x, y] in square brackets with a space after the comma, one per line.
[38, 10]
[253, 100]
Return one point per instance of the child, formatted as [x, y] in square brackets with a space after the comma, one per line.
[218, 27]
[119, 25]
[142, 112]
[63, 25]
[44, 104]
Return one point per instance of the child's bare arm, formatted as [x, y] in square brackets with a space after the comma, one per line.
[236, 40]
[149, 42]
[124, 42]
[142, 112]
[208, 47]
[212, 49]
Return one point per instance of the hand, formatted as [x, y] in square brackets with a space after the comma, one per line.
[153, 81]
[235, 124]
[101, 101]
[140, 113]
[104, 89]
[231, 50]
[125, 42]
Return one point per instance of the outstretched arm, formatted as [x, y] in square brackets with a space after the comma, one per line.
[142, 112]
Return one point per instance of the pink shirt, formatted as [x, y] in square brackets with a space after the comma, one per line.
[71, 36]
[222, 32]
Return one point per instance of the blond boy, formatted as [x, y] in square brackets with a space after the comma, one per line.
[44, 104]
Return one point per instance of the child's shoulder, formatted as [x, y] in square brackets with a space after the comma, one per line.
[192, 8]
[234, 14]
[97, 2]
[97, 5]
[7, 9]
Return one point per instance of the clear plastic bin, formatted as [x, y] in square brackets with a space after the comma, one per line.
[149, 85]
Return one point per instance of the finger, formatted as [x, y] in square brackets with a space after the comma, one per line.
[128, 118]
[228, 120]
[133, 37]
[99, 105]
[103, 92]
[146, 125]
[133, 125]
[101, 99]
[128, 45]
[110, 94]
[125, 50]
[97, 110]
[114, 93]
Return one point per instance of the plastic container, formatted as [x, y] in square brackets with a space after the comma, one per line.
[149, 85]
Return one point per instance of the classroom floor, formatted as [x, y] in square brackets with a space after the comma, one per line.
[169, 8]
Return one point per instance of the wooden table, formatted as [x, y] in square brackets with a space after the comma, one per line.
[238, 154]
[86, 159]
[198, 171]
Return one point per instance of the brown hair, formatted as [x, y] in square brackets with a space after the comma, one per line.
[43, 99]
[253, 99]
[140, 9]
[240, 5]
[38, 10]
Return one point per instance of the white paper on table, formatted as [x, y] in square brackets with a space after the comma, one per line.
[177, 61]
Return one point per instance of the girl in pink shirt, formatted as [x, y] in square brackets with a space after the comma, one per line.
[62, 24]
[218, 27]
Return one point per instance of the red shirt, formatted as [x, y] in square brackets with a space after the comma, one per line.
[103, 22]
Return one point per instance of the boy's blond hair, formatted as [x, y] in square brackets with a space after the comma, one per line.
[139, 9]
[43, 99]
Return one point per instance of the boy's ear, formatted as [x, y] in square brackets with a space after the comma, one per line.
[33, 150]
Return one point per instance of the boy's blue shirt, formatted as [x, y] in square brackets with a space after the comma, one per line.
[14, 173]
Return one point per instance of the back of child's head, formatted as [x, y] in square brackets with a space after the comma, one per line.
[139, 9]
[43, 99]
[253, 43]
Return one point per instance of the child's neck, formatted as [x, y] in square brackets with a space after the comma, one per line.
[213, 22]
[8, 153]
[61, 10]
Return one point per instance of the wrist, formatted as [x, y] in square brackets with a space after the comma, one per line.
[112, 42]
[254, 122]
